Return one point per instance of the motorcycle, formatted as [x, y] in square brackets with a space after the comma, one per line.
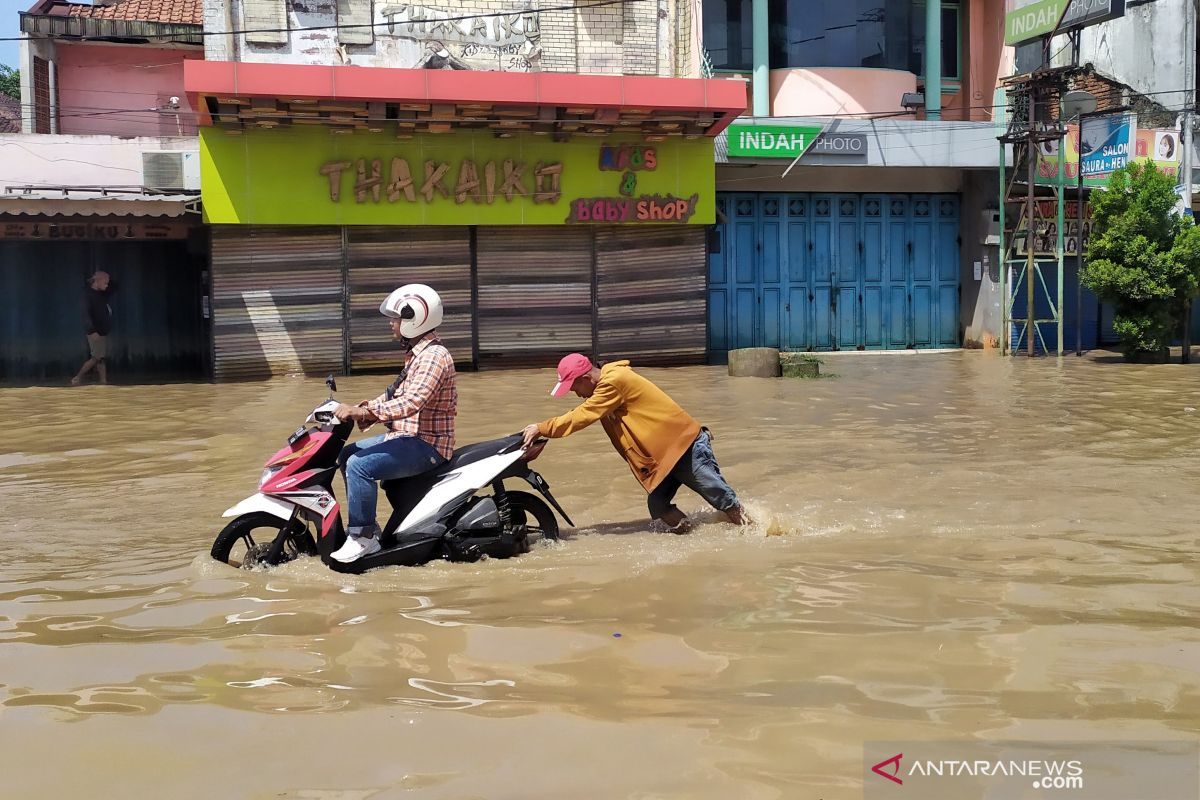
[439, 514]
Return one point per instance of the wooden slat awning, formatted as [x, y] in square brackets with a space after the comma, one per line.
[237, 95]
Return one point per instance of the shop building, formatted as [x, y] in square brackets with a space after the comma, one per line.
[1138, 62]
[102, 173]
[854, 200]
[551, 174]
[874, 239]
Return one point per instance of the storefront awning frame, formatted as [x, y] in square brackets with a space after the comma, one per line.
[237, 95]
[90, 201]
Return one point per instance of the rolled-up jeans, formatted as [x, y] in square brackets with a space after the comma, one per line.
[696, 469]
[368, 461]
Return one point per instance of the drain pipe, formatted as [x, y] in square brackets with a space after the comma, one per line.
[1189, 85]
[933, 59]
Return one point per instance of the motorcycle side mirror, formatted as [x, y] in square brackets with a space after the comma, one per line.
[331, 383]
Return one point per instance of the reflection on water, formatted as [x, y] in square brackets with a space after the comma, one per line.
[950, 546]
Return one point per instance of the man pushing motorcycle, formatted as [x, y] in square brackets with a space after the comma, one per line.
[663, 445]
[418, 410]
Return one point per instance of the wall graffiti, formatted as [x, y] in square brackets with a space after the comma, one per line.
[506, 43]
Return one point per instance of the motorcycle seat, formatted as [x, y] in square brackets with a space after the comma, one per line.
[467, 454]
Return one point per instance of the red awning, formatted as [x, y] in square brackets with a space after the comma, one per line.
[239, 95]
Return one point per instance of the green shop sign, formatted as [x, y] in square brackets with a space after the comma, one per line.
[1032, 21]
[310, 176]
[771, 141]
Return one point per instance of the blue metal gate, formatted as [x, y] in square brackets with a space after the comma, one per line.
[834, 272]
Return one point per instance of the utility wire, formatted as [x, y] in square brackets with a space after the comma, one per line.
[71, 111]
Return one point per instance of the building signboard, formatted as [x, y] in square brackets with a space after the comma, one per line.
[1109, 143]
[1161, 147]
[839, 144]
[771, 141]
[309, 177]
[108, 231]
[1045, 238]
[1106, 145]
[1029, 20]
[1081, 13]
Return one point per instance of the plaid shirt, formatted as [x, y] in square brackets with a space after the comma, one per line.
[425, 403]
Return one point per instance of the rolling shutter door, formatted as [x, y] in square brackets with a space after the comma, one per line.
[384, 258]
[535, 294]
[277, 301]
[650, 294]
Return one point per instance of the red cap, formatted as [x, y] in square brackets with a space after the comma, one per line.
[571, 367]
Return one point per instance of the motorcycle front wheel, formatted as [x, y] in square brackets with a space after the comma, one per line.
[532, 512]
[246, 542]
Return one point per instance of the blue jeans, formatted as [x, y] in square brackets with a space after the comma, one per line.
[368, 461]
[697, 469]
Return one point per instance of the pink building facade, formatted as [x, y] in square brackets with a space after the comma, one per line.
[122, 90]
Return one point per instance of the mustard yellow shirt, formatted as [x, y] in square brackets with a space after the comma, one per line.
[647, 427]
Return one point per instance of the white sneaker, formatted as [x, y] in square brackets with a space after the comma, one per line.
[356, 547]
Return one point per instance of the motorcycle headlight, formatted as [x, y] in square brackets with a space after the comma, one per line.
[266, 475]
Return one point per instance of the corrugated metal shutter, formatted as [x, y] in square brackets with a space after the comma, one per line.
[277, 301]
[535, 294]
[384, 258]
[158, 331]
[650, 294]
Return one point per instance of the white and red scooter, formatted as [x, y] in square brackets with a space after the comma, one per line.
[440, 514]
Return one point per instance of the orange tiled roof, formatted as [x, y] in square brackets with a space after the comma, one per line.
[184, 12]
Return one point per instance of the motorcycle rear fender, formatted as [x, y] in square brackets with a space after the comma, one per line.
[260, 502]
[539, 483]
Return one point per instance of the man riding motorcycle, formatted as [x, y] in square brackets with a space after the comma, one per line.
[418, 410]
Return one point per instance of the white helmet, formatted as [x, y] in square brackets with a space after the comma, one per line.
[418, 307]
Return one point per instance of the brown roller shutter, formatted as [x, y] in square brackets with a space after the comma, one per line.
[535, 294]
[384, 258]
[650, 294]
[277, 301]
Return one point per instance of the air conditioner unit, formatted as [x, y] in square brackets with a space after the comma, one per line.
[171, 170]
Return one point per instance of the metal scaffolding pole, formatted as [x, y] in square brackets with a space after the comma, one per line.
[1079, 209]
[1035, 218]
[1058, 248]
[1003, 256]
[1030, 239]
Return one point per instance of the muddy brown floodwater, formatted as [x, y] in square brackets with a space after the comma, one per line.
[949, 547]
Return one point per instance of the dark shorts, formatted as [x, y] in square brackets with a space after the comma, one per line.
[698, 471]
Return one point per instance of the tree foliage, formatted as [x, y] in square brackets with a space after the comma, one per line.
[1142, 258]
[10, 81]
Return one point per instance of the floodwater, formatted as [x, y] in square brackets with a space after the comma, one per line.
[949, 546]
